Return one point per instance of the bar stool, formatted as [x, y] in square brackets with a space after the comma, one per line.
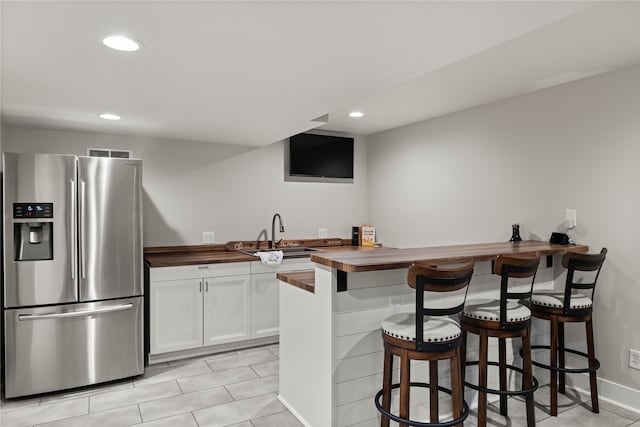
[432, 333]
[508, 317]
[560, 307]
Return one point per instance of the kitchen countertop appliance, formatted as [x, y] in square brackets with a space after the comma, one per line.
[73, 274]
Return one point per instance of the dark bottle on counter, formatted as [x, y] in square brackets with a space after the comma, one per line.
[355, 236]
[515, 233]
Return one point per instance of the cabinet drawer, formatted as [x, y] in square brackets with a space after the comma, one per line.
[197, 271]
[291, 264]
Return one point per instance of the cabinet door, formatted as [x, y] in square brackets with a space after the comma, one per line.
[226, 309]
[175, 315]
[265, 314]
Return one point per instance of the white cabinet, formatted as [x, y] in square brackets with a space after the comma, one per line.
[200, 306]
[265, 302]
[265, 294]
[175, 315]
[226, 309]
[196, 306]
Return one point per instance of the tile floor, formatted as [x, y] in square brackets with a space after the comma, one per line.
[238, 389]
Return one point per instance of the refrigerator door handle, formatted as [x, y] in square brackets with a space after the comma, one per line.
[101, 310]
[74, 235]
[82, 233]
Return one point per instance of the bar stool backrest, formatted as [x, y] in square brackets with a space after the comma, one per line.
[514, 267]
[424, 278]
[581, 262]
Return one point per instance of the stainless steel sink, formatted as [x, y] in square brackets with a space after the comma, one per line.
[291, 252]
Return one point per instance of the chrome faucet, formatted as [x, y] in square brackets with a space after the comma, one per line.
[274, 244]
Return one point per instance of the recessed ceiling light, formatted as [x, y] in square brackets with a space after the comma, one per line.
[109, 116]
[356, 114]
[122, 43]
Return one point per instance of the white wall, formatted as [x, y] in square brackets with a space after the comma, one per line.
[466, 177]
[230, 190]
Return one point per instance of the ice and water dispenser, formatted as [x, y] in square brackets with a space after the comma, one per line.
[33, 231]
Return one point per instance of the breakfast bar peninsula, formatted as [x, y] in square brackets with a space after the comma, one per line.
[330, 343]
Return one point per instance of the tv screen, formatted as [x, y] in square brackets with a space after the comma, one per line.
[320, 156]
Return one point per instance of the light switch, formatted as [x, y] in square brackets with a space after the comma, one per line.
[208, 237]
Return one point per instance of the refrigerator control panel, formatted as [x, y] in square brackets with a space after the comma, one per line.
[33, 210]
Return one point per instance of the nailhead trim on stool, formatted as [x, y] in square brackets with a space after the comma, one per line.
[556, 299]
[403, 326]
[489, 309]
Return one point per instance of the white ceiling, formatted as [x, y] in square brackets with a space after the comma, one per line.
[253, 73]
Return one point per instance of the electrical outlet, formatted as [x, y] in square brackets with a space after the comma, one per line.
[208, 237]
[323, 232]
[634, 359]
[570, 218]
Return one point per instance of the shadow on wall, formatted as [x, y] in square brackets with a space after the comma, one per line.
[155, 228]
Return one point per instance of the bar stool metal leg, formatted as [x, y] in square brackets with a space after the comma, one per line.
[592, 365]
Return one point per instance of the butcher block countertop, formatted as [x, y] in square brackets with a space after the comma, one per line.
[389, 259]
[171, 256]
[302, 279]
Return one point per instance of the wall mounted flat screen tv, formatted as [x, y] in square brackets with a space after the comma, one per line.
[321, 156]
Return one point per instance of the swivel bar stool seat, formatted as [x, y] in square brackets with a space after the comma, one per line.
[507, 317]
[431, 333]
[567, 306]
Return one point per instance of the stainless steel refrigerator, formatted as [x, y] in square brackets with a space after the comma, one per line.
[73, 273]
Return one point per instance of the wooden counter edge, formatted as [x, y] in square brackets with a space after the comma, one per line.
[377, 266]
[305, 280]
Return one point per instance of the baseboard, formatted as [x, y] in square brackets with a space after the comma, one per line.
[293, 411]
[614, 393]
[204, 351]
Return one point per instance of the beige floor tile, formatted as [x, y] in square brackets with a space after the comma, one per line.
[580, 417]
[45, 413]
[116, 399]
[275, 351]
[254, 349]
[267, 369]
[201, 358]
[241, 410]
[253, 388]
[119, 417]
[631, 415]
[173, 373]
[182, 420]
[242, 424]
[88, 391]
[216, 379]
[565, 401]
[247, 359]
[169, 406]
[636, 424]
[10, 405]
[281, 419]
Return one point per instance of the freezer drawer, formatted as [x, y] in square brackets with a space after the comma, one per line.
[59, 347]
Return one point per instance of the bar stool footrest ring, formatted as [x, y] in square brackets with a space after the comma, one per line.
[460, 419]
[565, 370]
[524, 392]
